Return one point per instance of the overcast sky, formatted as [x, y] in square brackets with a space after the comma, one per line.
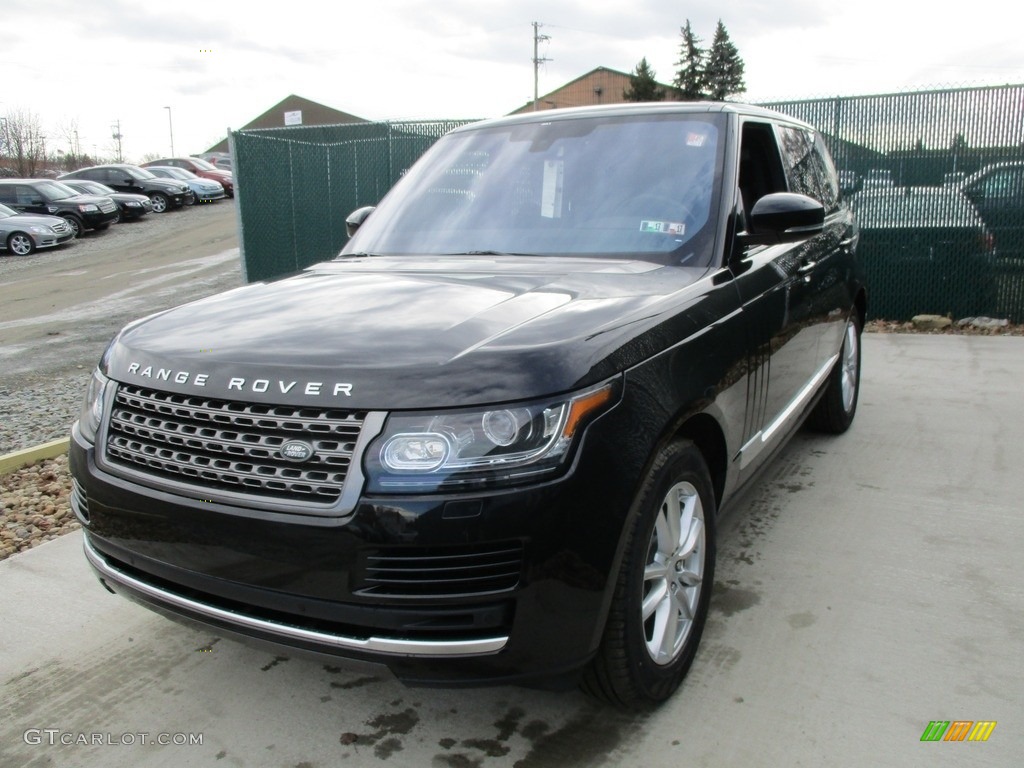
[221, 63]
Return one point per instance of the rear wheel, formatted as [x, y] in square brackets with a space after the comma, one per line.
[837, 407]
[160, 202]
[77, 227]
[20, 244]
[661, 599]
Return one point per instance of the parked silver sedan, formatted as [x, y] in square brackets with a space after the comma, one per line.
[22, 233]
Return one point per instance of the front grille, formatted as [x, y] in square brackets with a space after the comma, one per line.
[61, 227]
[418, 572]
[108, 206]
[232, 446]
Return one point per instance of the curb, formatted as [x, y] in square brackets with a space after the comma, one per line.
[18, 459]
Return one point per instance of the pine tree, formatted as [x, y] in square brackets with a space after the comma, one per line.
[724, 70]
[642, 84]
[690, 79]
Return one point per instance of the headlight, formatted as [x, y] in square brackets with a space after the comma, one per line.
[88, 208]
[92, 409]
[40, 230]
[133, 204]
[481, 447]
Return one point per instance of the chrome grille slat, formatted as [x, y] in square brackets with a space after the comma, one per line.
[225, 445]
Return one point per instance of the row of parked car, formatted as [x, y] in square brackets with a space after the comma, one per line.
[41, 213]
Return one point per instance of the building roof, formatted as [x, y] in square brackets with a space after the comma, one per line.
[600, 85]
[309, 113]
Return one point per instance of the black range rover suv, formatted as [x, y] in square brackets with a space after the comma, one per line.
[489, 441]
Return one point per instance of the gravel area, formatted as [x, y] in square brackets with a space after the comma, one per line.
[34, 506]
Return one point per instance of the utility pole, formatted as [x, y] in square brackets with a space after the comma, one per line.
[170, 126]
[537, 60]
[117, 137]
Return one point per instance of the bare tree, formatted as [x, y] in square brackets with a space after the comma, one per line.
[67, 133]
[22, 142]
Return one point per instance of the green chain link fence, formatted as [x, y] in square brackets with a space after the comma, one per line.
[937, 181]
[936, 177]
[297, 185]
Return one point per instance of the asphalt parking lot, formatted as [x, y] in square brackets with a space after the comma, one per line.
[867, 585]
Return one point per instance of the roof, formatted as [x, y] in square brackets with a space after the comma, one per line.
[312, 113]
[600, 85]
[635, 108]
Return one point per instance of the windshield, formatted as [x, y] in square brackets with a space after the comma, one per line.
[137, 173]
[620, 186]
[179, 173]
[55, 190]
[6, 212]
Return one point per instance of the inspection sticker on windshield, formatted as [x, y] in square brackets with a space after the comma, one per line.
[695, 139]
[663, 227]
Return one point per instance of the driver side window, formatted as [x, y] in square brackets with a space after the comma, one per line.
[760, 166]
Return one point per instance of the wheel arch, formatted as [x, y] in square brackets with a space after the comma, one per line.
[860, 304]
[706, 433]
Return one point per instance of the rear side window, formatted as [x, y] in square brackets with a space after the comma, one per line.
[809, 167]
[26, 194]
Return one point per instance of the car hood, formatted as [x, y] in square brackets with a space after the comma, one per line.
[128, 197]
[169, 185]
[408, 332]
[85, 199]
[29, 220]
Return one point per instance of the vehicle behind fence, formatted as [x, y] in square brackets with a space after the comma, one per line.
[937, 179]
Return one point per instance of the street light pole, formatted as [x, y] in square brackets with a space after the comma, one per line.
[170, 126]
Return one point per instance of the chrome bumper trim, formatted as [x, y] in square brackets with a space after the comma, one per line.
[383, 645]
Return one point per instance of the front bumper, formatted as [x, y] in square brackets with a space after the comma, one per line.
[49, 241]
[509, 585]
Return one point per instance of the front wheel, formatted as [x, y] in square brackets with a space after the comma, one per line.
[664, 586]
[160, 202]
[835, 411]
[77, 227]
[20, 244]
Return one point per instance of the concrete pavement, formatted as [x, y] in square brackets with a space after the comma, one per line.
[867, 585]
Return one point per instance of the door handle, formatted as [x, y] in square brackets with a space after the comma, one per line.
[807, 266]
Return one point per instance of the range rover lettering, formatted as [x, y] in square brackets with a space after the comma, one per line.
[490, 439]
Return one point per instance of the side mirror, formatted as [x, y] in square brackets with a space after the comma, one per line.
[357, 217]
[128, 183]
[783, 217]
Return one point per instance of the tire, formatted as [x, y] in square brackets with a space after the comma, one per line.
[835, 411]
[20, 244]
[667, 573]
[160, 202]
[77, 227]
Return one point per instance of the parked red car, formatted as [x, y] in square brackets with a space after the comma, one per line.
[200, 168]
